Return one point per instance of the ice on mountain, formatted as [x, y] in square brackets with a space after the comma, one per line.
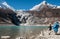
[4, 5]
[42, 5]
[58, 6]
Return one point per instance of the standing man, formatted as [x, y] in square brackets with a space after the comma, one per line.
[50, 28]
[55, 27]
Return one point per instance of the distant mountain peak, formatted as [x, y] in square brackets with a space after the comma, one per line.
[4, 5]
[44, 2]
[42, 5]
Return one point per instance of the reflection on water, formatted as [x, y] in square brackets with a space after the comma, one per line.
[31, 31]
[9, 31]
[20, 31]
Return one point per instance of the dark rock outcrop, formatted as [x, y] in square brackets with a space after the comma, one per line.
[9, 15]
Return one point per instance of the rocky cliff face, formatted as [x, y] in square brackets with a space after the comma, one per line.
[8, 16]
[45, 16]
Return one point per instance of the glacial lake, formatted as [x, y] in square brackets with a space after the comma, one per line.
[14, 31]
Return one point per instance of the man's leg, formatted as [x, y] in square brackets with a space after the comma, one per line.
[55, 33]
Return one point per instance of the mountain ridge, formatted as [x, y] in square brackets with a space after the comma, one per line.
[5, 5]
[42, 5]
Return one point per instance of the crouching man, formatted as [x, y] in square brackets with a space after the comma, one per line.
[55, 27]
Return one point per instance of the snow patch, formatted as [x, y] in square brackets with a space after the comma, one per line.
[42, 5]
[4, 5]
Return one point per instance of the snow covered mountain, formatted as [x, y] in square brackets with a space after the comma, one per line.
[43, 5]
[4, 5]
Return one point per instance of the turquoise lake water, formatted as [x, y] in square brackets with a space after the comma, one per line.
[20, 30]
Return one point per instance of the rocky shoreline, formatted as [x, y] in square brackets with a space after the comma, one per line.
[45, 35]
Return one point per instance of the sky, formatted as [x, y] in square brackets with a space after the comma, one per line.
[28, 4]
